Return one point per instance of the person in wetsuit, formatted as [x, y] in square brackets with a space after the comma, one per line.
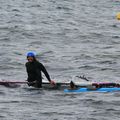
[34, 69]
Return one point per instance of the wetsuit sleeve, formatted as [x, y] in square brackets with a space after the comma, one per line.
[26, 70]
[44, 71]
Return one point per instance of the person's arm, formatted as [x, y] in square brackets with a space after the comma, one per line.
[46, 74]
[26, 70]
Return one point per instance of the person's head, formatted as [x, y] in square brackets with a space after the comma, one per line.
[31, 56]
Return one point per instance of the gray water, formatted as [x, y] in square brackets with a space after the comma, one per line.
[71, 37]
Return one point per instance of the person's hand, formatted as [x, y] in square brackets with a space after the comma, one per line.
[52, 82]
[31, 83]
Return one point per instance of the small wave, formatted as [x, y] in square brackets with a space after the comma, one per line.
[36, 42]
[106, 62]
[116, 36]
[4, 39]
[63, 8]
[35, 6]
[115, 26]
[1, 116]
[88, 67]
[11, 101]
[2, 93]
[16, 10]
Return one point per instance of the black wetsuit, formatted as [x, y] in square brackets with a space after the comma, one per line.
[34, 70]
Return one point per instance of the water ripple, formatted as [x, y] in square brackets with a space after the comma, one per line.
[70, 37]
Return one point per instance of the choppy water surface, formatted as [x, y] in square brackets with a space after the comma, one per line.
[71, 37]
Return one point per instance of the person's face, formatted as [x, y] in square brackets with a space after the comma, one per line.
[30, 59]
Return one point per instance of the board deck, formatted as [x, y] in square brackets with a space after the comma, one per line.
[45, 84]
[92, 90]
